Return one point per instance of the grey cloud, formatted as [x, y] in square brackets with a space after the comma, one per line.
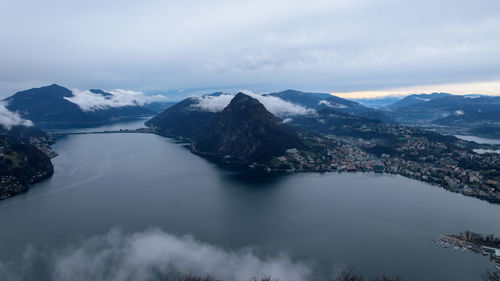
[148, 255]
[213, 103]
[274, 105]
[315, 45]
[8, 119]
[331, 104]
[89, 101]
[280, 107]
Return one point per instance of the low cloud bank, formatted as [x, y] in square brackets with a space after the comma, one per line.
[88, 101]
[213, 103]
[281, 107]
[8, 119]
[151, 254]
[275, 105]
[331, 104]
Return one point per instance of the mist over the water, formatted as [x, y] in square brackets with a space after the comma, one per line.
[158, 192]
[89, 101]
[150, 255]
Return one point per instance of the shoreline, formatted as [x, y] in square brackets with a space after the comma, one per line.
[315, 167]
[320, 167]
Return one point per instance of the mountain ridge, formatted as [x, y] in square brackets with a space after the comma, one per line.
[48, 106]
[318, 101]
[242, 133]
[416, 98]
[245, 132]
[425, 112]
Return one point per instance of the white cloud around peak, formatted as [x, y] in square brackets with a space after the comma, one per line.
[213, 103]
[281, 107]
[88, 101]
[275, 105]
[9, 119]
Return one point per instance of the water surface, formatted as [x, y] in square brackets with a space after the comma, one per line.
[371, 222]
[479, 139]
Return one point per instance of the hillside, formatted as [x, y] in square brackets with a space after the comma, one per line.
[320, 101]
[416, 99]
[245, 132]
[20, 166]
[23, 134]
[181, 120]
[242, 133]
[331, 122]
[429, 110]
[461, 117]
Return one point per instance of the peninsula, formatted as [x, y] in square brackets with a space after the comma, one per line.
[329, 140]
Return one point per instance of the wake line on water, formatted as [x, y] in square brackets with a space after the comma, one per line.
[103, 168]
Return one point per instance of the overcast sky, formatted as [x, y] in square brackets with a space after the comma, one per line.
[334, 46]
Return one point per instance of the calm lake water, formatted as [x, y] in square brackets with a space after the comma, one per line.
[373, 223]
[479, 139]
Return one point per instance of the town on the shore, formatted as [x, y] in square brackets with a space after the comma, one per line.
[455, 168]
[10, 183]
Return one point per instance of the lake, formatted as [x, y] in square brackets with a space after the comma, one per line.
[479, 139]
[153, 189]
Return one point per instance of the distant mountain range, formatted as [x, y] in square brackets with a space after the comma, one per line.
[245, 131]
[55, 106]
[49, 106]
[182, 119]
[381, 103]
[446, 113]
[416, 99]
[328, 121]
[318, 101]
[159, 106]
[447, 110]
[334, 115]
